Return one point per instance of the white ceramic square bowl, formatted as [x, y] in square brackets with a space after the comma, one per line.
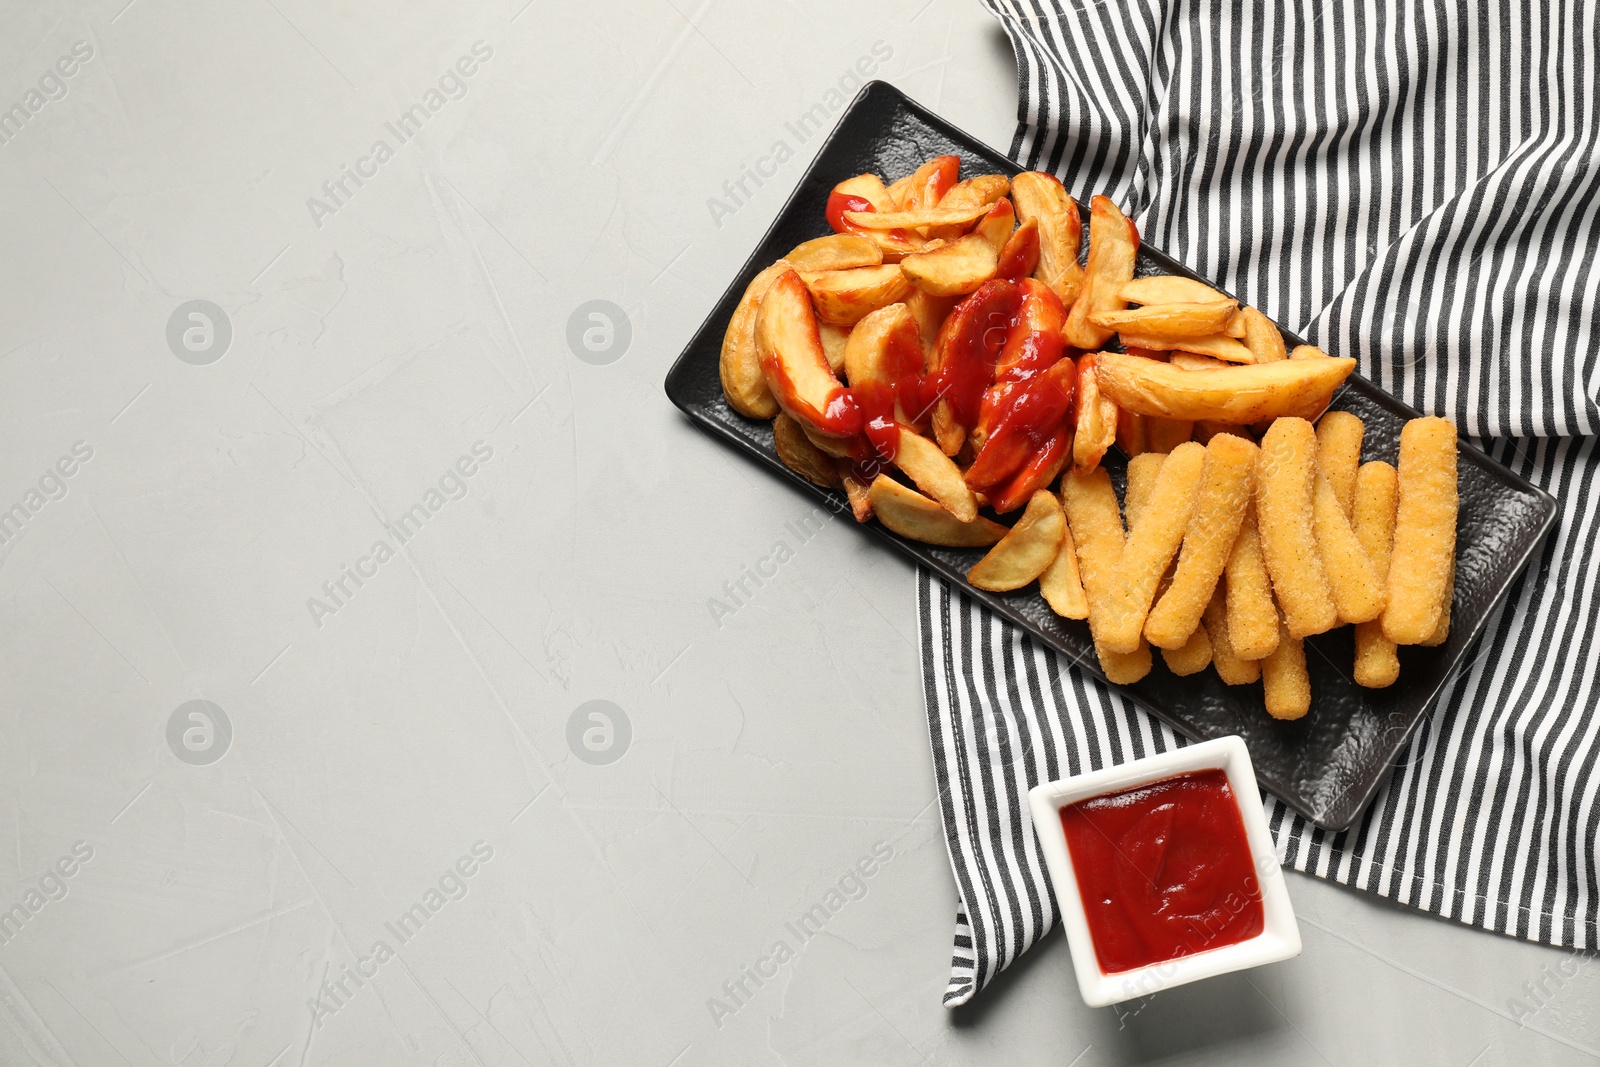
[1280, 936]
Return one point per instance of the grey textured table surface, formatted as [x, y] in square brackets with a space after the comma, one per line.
[371, 504]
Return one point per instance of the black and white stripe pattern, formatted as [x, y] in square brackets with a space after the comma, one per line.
[1414, 185]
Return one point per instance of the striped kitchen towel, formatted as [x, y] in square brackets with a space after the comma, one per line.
[1412, 184]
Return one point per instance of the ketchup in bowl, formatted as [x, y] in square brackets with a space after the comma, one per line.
[1164, 870]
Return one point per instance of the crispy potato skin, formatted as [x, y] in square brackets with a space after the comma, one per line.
[855, 490]
[845, 297]
[1168, 289]
[950, 434]
[997, 226]
[789, 343]
[743, 382]
[1421, 566]
[1285, 480]
[1061, 584]
[1096, 428]
[1218, 346]
[1041, 198]
[936, 474]
[1311, 410]
[835, 342]
[1239, 395]
[1156, 534]
[955, 269]
[1113, 248]
[1284, 681]
[1019, 256]
[1227, 482]
[1262, 337]
[1376, 665]
[836, 251]
[1132, 435]
[927, 185]
[1169, 322]
[910, 514]
[1163, 435]
[930, 312]
[797, 452]
[880, 347]
[908, 220]
[1024, 553]
[980, 190]
[837, 447]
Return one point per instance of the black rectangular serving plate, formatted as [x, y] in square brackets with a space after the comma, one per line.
[1328, 765]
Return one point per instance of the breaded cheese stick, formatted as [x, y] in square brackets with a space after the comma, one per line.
[1339, 437]
[1377, 664]
[1142, 471]
[1285, 480]
[1358, 593]
[1284, 680]
[1192, 657]
[1152, 542]
[1096, 525]
[1230, 668]
[1227, 481]
[1441, 632]
[1424, 555]
[1252, 616]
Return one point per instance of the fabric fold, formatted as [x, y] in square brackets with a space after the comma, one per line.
[1416, 189]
